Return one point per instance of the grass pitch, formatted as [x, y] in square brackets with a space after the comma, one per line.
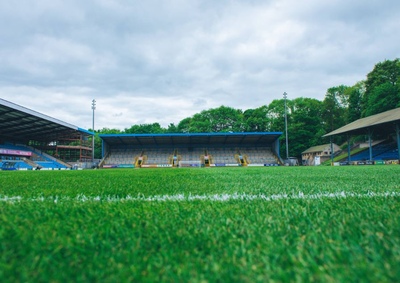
[201, 225]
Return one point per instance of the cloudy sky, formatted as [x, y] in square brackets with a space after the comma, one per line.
[162, 61]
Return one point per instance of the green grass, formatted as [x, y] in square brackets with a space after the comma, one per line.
[49, 233]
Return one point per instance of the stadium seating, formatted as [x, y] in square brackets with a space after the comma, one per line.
[190, 154]
[223, 155]
[21, 165]
[259, 155]
[387, 152]
[121, 156]
[37, 158]
[381, 151]
[164, 156]
[158, 155]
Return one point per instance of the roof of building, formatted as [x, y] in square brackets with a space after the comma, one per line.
[20, 124]
[319, 148]
[205, 139]
[361, 125]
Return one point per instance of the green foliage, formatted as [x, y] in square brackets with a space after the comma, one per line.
[384, 72]
[172, 128]
[334, 107]
[306, 125]
[382, 98]
[256, 120]
[276, 114]
[55, 234]
[276, 120]
[154, 128]
[109, 131]
[222, 119]
[382, 87]
[355, 94]
[184, 125]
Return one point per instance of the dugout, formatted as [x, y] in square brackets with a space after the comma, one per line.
[383, 125]
[31, 139]
[190, 149]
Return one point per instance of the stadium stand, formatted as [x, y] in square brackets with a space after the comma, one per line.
[30, 140]
[385, 124]
[27, 158]
[206, 149]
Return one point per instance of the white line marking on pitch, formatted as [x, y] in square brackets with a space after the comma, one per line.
[190, 197]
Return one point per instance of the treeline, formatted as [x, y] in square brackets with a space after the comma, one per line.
[308, 119]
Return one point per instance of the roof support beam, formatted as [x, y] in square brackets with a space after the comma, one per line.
[398, 139]
[370, 143]
[348, 149]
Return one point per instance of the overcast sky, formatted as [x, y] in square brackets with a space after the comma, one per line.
[162, 61]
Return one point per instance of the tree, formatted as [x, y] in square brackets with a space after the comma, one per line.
[225, 119]
[200, 122]
[276, 115]
[335, 107]
[184, 125]
[154, 128]
[355, 94]
[172, 128]
[256, 120]
[109, 131]
[305, 127]
[382, 98]
[222, 119]
[382, 87]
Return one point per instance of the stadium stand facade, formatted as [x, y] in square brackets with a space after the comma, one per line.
[31, 140]
[190, 150]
